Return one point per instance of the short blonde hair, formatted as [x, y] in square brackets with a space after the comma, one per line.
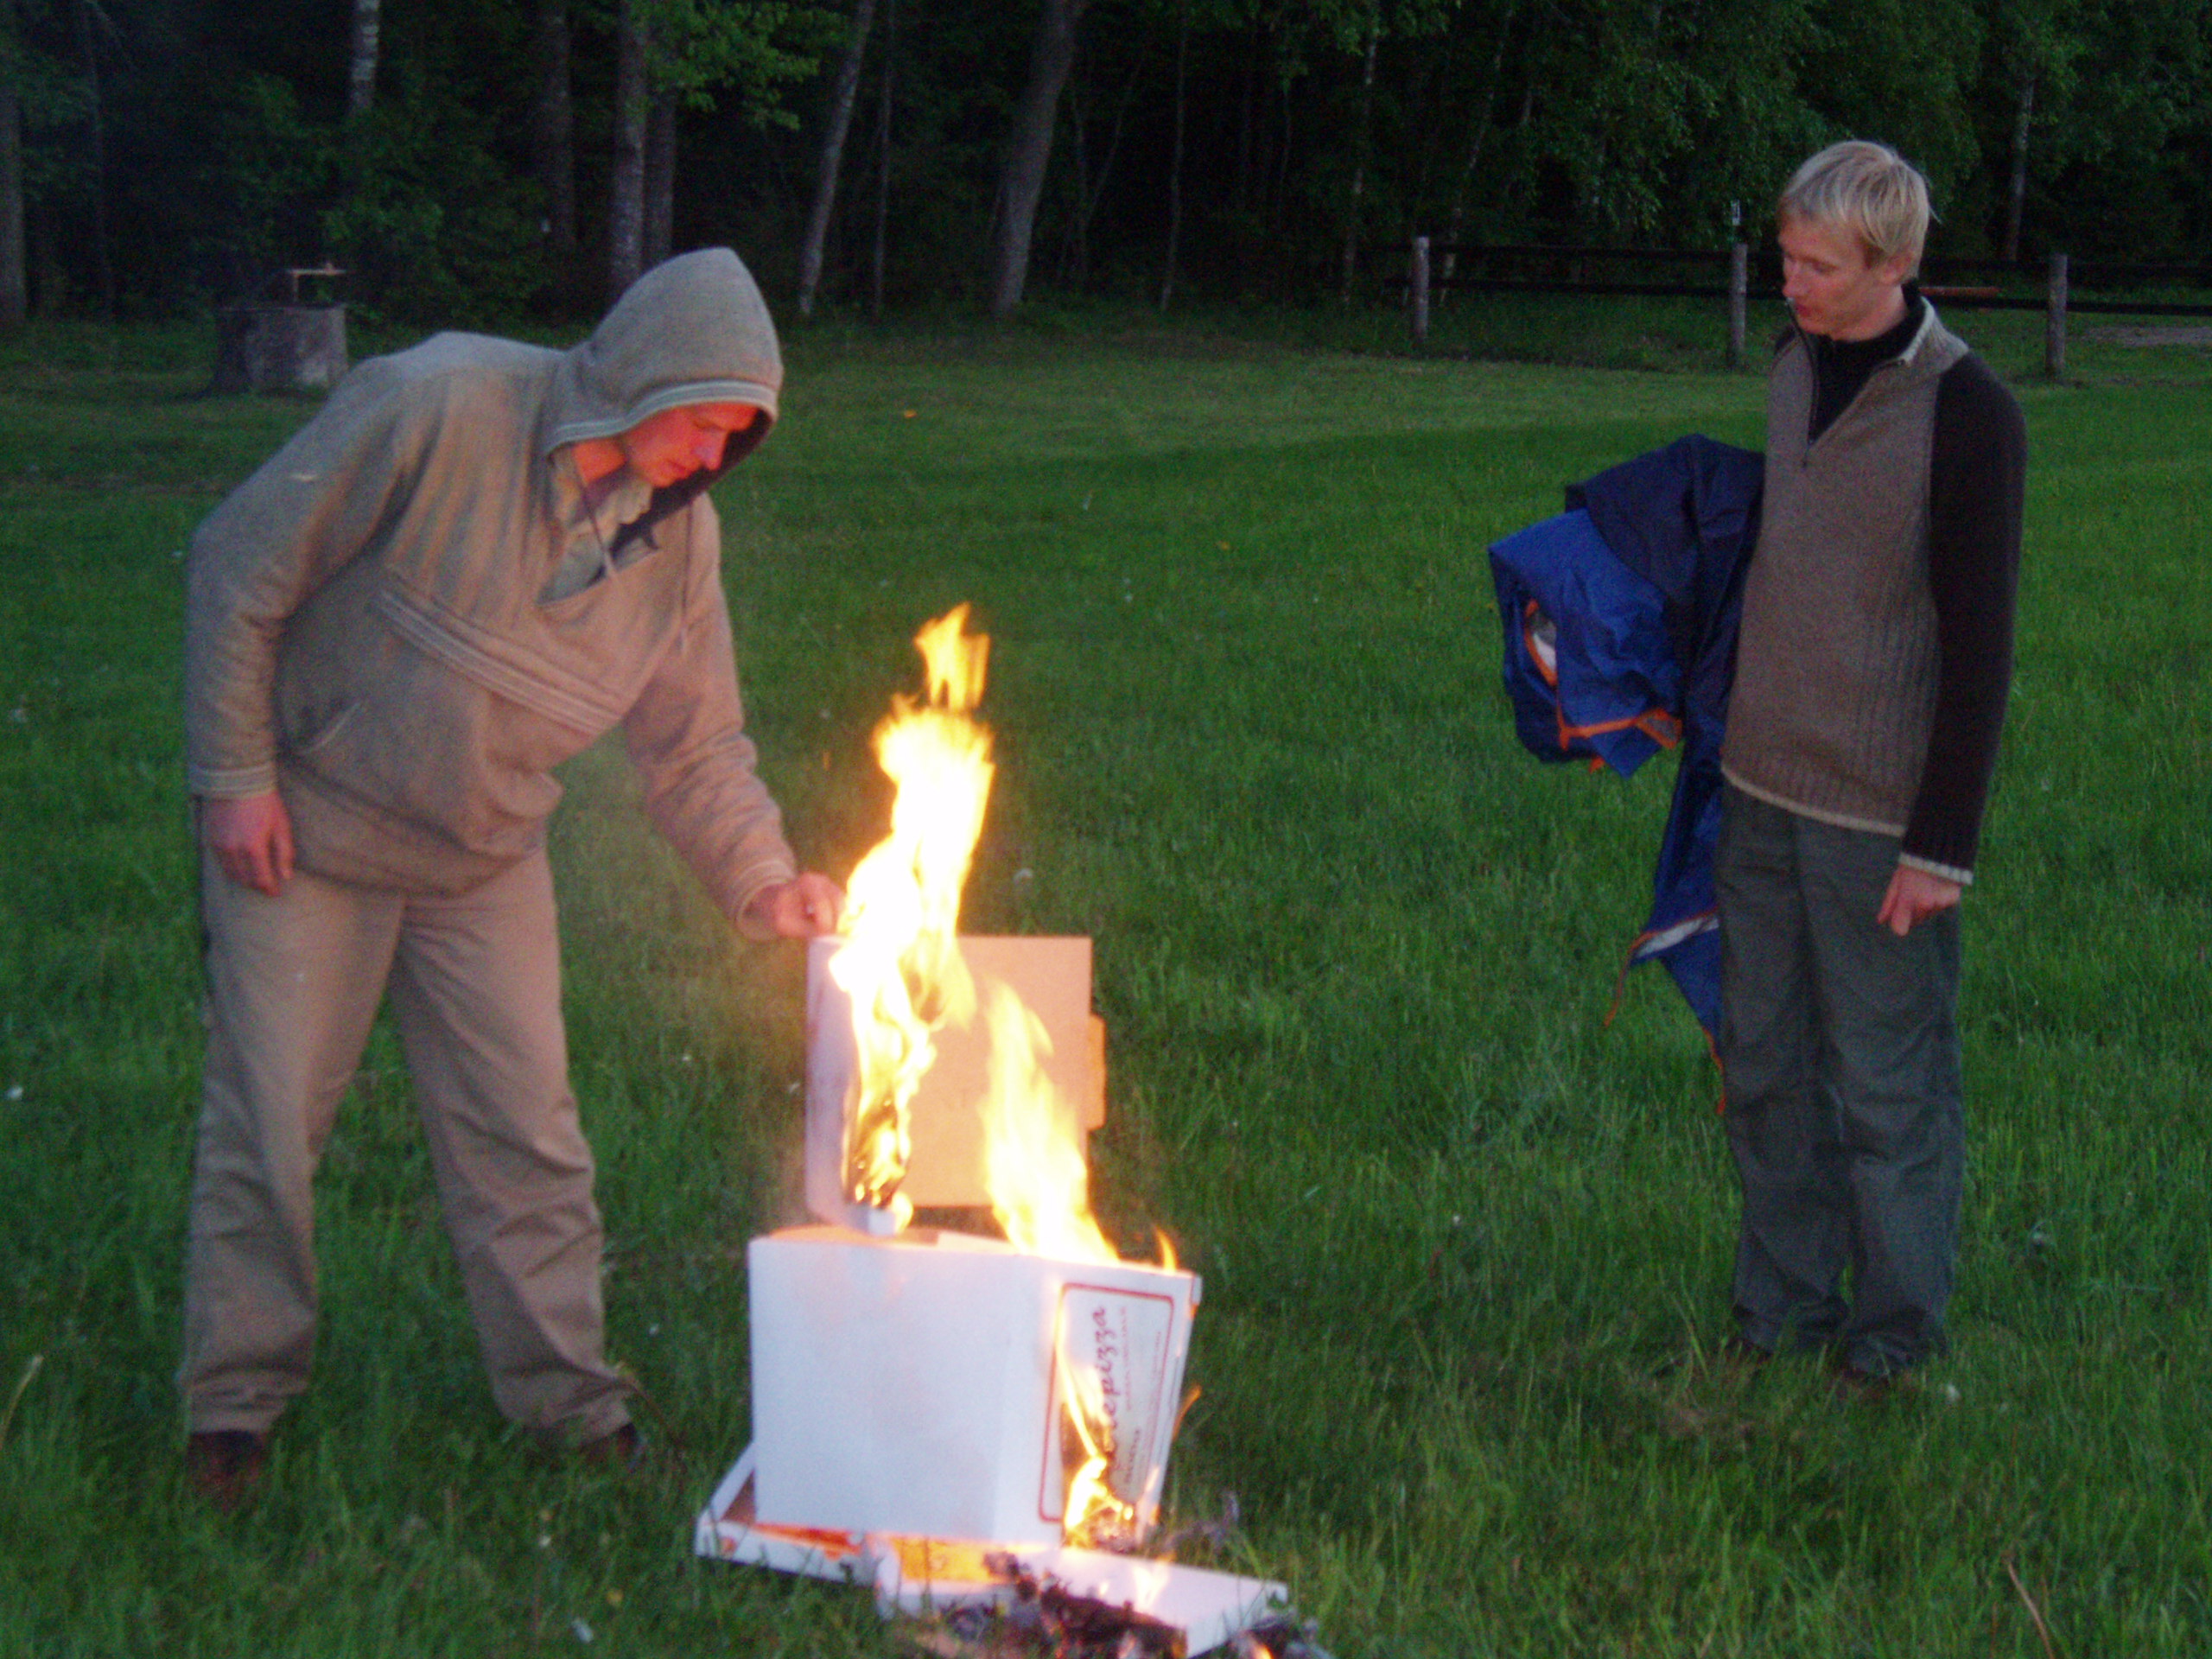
[1867, 189]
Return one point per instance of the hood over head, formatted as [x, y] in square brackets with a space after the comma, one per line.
[693, 329]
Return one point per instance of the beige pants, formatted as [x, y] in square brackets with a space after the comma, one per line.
[293, 983]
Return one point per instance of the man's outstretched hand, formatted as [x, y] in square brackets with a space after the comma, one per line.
[797, 909]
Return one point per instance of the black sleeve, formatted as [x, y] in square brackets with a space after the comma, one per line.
[1977, 481]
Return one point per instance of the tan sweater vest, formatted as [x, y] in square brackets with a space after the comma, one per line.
[1836, 664]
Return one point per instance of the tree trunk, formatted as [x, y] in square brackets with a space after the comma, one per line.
[2016, 196]
[361, 60]
[1029, 151]
[1175, 162]
[625, 189]
[842, 93]
[1363, 139]
[553, 153]
[660, 179]
[883, 159]
[15, 291]
[106, 265]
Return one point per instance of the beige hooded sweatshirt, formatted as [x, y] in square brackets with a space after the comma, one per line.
[384, 625]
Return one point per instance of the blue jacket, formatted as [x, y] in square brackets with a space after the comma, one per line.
[1620, 619]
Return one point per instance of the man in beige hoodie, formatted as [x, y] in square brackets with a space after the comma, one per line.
[477, 558]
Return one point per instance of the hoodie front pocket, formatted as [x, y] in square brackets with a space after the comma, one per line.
[306, 732]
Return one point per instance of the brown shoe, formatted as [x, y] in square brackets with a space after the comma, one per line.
[223, 1467]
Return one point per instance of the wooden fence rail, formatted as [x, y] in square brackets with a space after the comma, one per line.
[1424, 281]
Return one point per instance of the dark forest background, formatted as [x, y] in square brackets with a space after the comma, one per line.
[485, 159]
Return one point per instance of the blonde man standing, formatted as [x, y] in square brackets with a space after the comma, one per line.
[1874, 667]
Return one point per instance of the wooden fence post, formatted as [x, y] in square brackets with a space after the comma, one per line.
[1417, 290]
[1740, 288]
[2054, 331]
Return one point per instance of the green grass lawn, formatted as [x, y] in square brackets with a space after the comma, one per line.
[1462, 1240]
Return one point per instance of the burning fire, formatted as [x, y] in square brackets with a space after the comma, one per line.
[900, 964]
[1040, 1190]
[1033, 1169]
[900, 967]
[1095, 1515]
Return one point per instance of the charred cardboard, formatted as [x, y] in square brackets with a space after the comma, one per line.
[1051, 975]
[911, 1385]
[1208, 1608]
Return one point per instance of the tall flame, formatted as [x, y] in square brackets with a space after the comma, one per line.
[901, 968]
[900, 964]
[1034, 1167]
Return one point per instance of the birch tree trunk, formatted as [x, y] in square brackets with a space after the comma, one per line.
[1029, 151]
[553, 149]
[361, 60]
[625, 193]
[660, 179]
[842, 93]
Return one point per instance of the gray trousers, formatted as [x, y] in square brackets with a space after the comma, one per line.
[293, 983]
[1839, 1051]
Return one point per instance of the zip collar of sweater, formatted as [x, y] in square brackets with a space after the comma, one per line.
[1842, 367]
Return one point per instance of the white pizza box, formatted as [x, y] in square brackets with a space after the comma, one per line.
[729, 1529]
[911, 1384]
[1051, 975]
[925, 1575]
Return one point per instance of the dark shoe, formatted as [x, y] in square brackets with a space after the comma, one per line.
[223, 1467]
[620, 1450]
